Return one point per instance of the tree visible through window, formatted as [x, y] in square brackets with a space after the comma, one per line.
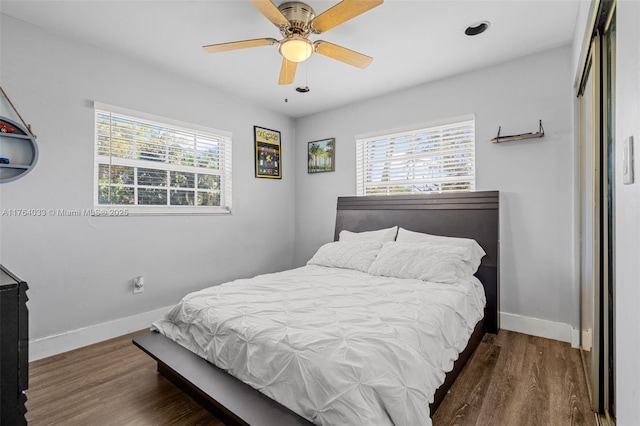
[433, 159]
[141, 162]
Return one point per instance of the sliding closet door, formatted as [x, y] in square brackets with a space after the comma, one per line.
[608, 157]
[597, 258]
[590, 219]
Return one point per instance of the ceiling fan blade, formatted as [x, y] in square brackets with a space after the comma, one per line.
[243, 44]
[287, 72]
[341, 13]
[271, 12]
[342, 54]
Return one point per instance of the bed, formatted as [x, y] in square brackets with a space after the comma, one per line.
[469, 215]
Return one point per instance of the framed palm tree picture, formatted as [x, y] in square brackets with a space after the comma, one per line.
[321, 156]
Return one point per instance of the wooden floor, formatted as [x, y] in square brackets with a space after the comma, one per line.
[512, 379]
[109, 383]
[515, 379]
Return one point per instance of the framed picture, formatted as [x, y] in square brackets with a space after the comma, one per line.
[267, 148]
[321, 156]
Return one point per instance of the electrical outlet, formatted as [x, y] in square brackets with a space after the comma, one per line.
[138, 285]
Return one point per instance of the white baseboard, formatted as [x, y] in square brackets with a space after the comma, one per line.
[541, 328]
[74, 339]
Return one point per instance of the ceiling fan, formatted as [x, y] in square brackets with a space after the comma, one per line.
[296, 21]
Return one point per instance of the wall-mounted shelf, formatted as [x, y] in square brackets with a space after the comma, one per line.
[19, 146]
[500, 139]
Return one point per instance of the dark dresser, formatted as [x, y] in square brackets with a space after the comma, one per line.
[14, 349]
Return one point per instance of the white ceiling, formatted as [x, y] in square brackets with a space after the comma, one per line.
[412, 42]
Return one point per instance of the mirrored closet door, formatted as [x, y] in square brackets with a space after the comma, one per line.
[597, 282]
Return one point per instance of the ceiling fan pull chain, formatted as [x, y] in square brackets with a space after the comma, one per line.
[27, 126]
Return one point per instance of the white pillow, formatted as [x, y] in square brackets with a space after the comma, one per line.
[381, 235]
[474, 252]
[358, 255]
[427, 262]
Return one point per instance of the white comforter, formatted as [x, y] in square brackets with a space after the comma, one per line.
[337, 346]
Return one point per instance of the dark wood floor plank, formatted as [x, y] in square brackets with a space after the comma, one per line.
[512, 379]
[537, 384]
[110, 383]
[534, 381]
[572, 385]
[503, 398]
[466, 396]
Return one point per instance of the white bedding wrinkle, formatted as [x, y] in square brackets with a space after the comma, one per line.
[336, 346]
[358, 255]
[427, 262]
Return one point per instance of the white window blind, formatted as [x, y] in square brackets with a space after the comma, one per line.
[433, 159]
[154, 167]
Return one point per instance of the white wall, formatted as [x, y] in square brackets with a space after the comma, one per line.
[534, 177]
[627, 219]
[80, 269]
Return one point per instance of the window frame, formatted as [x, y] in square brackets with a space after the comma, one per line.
[224, 171]
[362, 150]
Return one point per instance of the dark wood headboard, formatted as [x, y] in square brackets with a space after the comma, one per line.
[473, 215]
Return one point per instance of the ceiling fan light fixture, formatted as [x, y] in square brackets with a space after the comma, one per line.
[296, 48]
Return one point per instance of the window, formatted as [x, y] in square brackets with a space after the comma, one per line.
[432, 159]
[155, 165]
